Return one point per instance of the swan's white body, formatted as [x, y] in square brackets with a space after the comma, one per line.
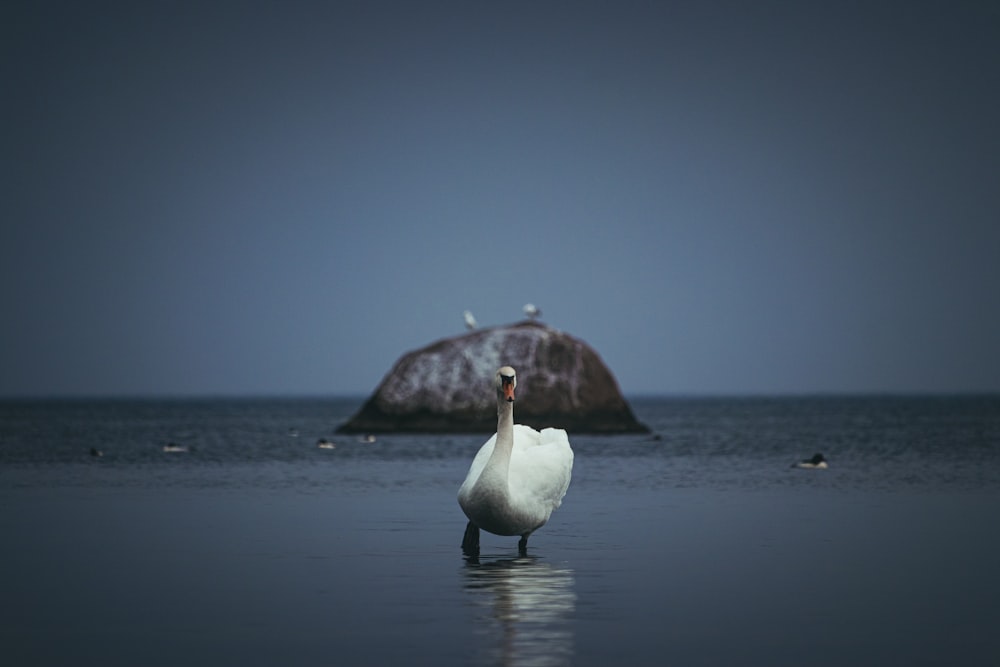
[538, 474]
[518, 477]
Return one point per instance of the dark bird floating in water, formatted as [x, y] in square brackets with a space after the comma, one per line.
[817, 461]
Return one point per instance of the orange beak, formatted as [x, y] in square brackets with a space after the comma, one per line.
[508, 391]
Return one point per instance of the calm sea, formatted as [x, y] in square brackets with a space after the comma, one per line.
[699, 544]
[930, 443]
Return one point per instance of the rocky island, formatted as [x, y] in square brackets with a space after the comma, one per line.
[447, 386]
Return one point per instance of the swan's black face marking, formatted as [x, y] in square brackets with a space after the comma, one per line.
[506, 382]
[507, 387]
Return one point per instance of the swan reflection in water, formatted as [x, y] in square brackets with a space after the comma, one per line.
[524, 610]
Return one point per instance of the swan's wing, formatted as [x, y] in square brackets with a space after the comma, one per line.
[477, 466]
[541, 465]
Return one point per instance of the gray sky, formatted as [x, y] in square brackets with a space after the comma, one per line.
[282, 198]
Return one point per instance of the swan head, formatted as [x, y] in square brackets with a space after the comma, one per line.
[506, 382]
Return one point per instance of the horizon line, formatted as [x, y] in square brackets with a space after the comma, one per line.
[673, 395]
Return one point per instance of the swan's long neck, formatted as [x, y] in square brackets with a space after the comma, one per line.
[495, 472]
[505, 427]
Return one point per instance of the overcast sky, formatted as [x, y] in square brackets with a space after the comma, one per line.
[283, 198]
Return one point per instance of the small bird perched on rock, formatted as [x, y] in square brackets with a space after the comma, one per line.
[532, 311]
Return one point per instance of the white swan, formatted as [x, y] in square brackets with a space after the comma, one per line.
[518, 477]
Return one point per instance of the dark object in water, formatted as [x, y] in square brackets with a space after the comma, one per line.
[817, 461]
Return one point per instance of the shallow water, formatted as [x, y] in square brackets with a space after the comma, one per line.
[702, 547]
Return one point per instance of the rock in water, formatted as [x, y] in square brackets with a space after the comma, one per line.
[448, 386]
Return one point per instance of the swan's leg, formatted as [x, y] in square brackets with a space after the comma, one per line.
[522, 545]
[470, 541]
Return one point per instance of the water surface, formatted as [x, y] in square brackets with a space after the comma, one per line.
[702, 546]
